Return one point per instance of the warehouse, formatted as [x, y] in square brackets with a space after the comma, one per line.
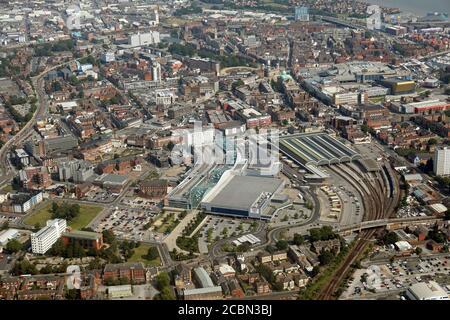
[316, 149]
[426, 291]
[242, 196]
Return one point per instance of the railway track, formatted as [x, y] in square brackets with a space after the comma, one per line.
[381, 195]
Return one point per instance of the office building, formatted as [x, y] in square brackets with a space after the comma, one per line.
[86, 239]
[44, 239]
[441, 164]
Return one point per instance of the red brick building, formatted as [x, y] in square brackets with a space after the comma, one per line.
[133, 271]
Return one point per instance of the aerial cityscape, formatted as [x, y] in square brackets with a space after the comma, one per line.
[224, 150]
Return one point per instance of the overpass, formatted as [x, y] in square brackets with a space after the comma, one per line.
[390, 224]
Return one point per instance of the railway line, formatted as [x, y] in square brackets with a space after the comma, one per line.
[381, 194]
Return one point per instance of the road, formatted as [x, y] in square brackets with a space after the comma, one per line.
[6, 170]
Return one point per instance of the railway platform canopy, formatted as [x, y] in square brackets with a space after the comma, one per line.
[316, 149]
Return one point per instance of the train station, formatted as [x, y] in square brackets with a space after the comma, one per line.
[316, 149]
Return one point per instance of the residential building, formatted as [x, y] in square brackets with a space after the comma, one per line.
[441, 163]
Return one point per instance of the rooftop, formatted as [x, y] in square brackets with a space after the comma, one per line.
[242, 191]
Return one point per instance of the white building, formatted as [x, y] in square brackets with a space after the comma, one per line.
[426, 291]
[441, 162]
[144, 39]
[107, 57]
[7, 235]
[44, 239]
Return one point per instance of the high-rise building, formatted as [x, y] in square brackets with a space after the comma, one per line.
[301, 14]
[441, 165]
[156, 71]
[44, 239]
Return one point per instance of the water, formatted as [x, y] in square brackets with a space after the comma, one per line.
[418, 7]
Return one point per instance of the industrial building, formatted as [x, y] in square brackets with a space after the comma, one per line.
[427, 291]
[316, 149]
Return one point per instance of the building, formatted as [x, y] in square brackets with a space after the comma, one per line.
[209, 293]
[154, 189]
[426, 291]
[115, 292]
[242, 196]
[399, 86]
[107, 57]
[22, 202]
[134, 271]
[44, 239]
[7, 235]
[144, 39]
[301, 14]
[202, 278]
[441, 163]
[86, 239]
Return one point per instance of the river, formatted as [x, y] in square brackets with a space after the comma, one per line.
[418, 7]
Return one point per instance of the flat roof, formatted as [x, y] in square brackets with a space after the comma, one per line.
[426, 291]
[216, 289]
[83, 234]
[242, 191]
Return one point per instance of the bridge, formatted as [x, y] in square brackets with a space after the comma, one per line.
[390, 224]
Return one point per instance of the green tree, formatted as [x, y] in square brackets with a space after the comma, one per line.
[13, 246]
[152, 253]
[162, 280]
[166, 293]
[325, 257]
[390, 238]
[298, 239]
[282, 245]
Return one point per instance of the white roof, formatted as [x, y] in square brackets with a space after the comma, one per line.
[403, 245]
[438, 207]
[225, 268]
[428, 291]
[125, 287]
[7, 235]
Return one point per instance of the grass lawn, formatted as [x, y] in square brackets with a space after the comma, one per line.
[140, 253]
[7, 188]
[87, 213]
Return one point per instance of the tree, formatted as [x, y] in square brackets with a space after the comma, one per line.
[166, 293]
[13, 246]
[162, 280]
[58, 248]
[5, 225]
[390, 238]
[73, 294]
[282, 244]
[152, 253]
[418, 250]
[325, 257]
[298, 239]
[108, 236]
[315, 271]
